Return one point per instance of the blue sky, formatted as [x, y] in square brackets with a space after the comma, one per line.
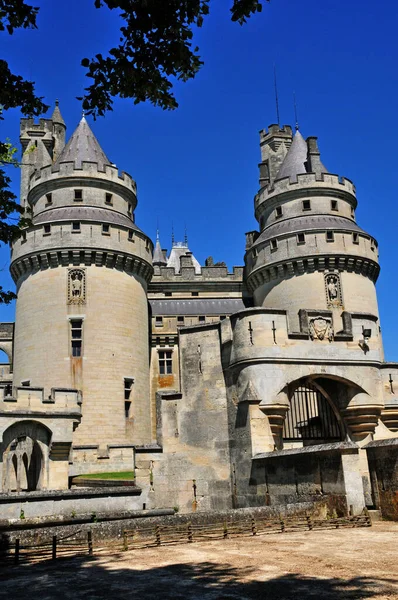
[197, 166]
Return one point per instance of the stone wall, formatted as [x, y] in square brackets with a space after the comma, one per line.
[383, 466]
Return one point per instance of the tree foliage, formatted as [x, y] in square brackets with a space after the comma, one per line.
[155, 48]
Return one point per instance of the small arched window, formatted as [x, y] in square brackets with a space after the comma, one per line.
[310, 417]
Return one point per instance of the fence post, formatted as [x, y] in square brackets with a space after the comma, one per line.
[254, 528]
[16, 556]
[54, 548]
[309, 523]
[125, 541]
[282, 525]
[225, 530]
[157, 535]
[190, 537]
[90, 542]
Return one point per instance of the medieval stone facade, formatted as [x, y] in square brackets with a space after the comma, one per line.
[219, 389]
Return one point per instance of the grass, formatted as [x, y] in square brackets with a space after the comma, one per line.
[125, 475]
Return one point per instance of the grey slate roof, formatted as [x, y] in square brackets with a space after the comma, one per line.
[196, 307]
[56, 117]
[158, 258]
[83, 146]
[84, 213]
[295, 159]
[308, 223]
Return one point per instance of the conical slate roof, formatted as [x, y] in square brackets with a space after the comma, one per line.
[295, 159]
[158, 258]
[83, 146]
[56, 116]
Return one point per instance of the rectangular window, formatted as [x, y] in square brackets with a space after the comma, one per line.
[129, 210]
[278, 212]
[127, 406]
[78, 195]
[46, 229]
[334, 205]
[352, 213]
[76, 334]
[330, 236]
[301, 238]
[194, 293]
[108, 198]
[222, 317]
[105, 229]
[355, 238]
[159, 321]
[254, 252]
[202, 319]
[168, 294]
[165, 362]
[75, 226]
[131, 235]
[306, 204]
[49, 198]
[274, 245]
[180, 320]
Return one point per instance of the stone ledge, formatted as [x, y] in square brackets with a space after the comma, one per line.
[68, 494]
[334, 446]
[382, 443]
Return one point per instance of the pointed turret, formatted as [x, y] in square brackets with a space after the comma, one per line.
[83, 146]
[59, 131]
[295, 160]
[158, 255]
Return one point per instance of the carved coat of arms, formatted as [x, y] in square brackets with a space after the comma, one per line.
[321, 329]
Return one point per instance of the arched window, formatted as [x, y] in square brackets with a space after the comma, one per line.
[310, 417]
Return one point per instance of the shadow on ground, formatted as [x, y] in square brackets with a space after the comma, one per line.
[86, 578]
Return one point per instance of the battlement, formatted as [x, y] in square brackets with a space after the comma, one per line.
[306, 180]
[275, 129]
[20, 398]
[29, 125]
[207, 274]
[89, 169]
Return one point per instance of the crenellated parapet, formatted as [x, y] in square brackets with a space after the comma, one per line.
[32, 400]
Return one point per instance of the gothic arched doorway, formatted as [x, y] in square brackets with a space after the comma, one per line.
[311, 418]
[24, 453]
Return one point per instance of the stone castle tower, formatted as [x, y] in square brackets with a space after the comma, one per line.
[81, 271]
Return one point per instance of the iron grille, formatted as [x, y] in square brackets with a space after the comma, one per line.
[310, 417]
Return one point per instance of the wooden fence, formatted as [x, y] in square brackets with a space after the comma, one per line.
[80, 543]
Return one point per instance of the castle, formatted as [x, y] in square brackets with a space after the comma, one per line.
[219, 389]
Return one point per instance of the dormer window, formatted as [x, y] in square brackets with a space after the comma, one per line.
[78, 195]
[306, 204]
[278, 212]
[330, 236]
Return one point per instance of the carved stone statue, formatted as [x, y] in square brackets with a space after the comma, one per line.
[76, 286]
[333, 289]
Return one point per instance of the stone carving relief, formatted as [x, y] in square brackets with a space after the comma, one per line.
[321, 328]
[76, 286]
[333, 289]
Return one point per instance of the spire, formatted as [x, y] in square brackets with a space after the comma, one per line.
[83, 146]
[295, 159]
[56, 116]
[158, 256]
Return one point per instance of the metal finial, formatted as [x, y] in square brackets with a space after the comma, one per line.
[276, 98]
[57, 102]
[172, 234]
[186, 237]
[157, 235]
[295, 111]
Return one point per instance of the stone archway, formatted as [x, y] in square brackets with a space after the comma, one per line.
[24, 453]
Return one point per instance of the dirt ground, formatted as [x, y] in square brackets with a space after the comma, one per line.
[345, 564]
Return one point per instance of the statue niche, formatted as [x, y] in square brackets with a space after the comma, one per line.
[333, 290]
[76, 286]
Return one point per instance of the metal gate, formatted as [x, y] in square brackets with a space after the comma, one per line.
[310, 417]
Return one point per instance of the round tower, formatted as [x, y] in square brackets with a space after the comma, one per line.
[309, 252]
[81, 271]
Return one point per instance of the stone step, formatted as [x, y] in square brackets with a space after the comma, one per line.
[375, 515]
